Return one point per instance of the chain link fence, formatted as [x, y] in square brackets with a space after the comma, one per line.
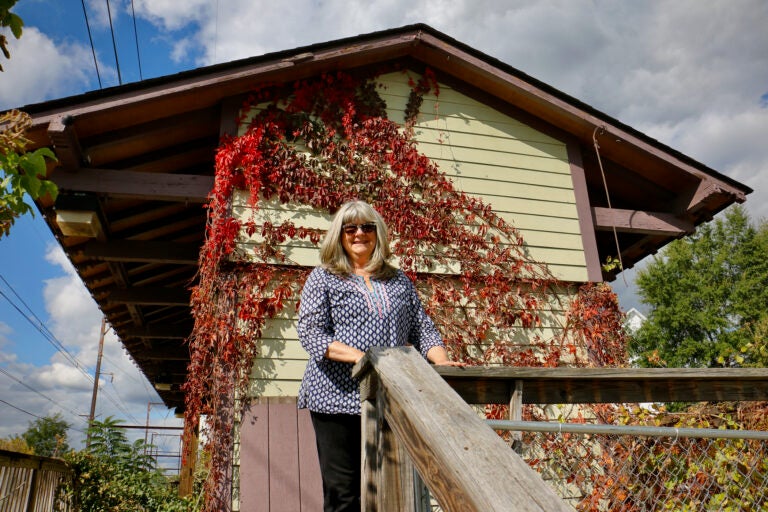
[617, 468]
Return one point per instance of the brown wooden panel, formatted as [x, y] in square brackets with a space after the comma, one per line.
[309, 466]
[254, 459]
[279, 471]
[284, 495]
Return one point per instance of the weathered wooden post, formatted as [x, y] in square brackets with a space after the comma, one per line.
[386, 468]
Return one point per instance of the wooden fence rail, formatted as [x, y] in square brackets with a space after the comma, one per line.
[411, 416]
[28, 483]
[497, 385]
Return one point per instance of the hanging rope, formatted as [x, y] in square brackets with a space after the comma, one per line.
[601, 129]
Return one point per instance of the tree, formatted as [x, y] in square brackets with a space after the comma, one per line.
[47, 436]
[15, 444]
[708, 294]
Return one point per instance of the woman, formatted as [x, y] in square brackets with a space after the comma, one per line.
[353, 301]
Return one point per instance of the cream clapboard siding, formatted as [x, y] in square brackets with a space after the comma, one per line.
[522, 173]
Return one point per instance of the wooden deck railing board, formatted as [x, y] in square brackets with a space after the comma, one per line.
[463, 462]
[495, 385]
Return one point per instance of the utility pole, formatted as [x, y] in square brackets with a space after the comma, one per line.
[96, 378]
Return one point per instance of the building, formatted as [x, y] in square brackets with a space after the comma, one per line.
[136, 166]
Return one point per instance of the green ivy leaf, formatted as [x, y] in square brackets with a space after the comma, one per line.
[50, 188]
[33, 164]
[16, 24]
[31, 184]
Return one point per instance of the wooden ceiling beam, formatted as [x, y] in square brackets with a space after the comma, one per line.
[168, 368]
[189, 188]
[143, 251]
[701, 195]
[145, 275]
[165, 352]
[158, 135]
[177, 159]
[128, 216]
[173, 227]
[121, 278]
[636, 221]
[150, 296]
[66, 145]
[166, 331]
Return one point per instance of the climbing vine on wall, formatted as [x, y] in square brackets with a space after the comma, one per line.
[323, 141]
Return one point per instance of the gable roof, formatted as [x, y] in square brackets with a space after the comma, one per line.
[140, 157]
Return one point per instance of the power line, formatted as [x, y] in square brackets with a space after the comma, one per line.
[19, 381]
[90, 38]
[34, 415]
[43, 329]
[59, 346]
[20, 409]
[114, 44]
[40, 323]
[136, 37]
[143, 382]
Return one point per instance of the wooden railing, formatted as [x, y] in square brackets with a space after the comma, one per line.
[418, 416]
[28, 483]
[498, 385]
[412, 418]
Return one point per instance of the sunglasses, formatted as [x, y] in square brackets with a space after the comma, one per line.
[351, 229]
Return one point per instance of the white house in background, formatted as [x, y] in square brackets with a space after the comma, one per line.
[634, 320]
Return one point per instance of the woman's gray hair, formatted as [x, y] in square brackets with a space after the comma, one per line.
[332, 254]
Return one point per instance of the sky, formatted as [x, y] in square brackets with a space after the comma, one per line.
[692, 74]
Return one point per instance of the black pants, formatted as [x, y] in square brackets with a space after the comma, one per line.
[339, 450]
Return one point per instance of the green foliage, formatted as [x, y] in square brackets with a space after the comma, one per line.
[20, 172]
[47, 436]
[113, 474]
[708, 295]
[16, 444]
[9, 19]
[612, 264]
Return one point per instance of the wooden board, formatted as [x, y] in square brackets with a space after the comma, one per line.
[279, 471]
[494, 385]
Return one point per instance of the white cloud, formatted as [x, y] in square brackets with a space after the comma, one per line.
[98, 15]
[62, 377]
[40, 69]
[172, 15]
[75, 321]
[56, 256]
[5, 332]
[182, 49]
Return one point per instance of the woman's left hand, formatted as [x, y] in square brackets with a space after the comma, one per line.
[439, 357]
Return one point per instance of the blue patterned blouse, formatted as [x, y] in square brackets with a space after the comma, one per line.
[344, 309]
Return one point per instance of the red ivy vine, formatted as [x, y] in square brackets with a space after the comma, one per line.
[324, 141]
